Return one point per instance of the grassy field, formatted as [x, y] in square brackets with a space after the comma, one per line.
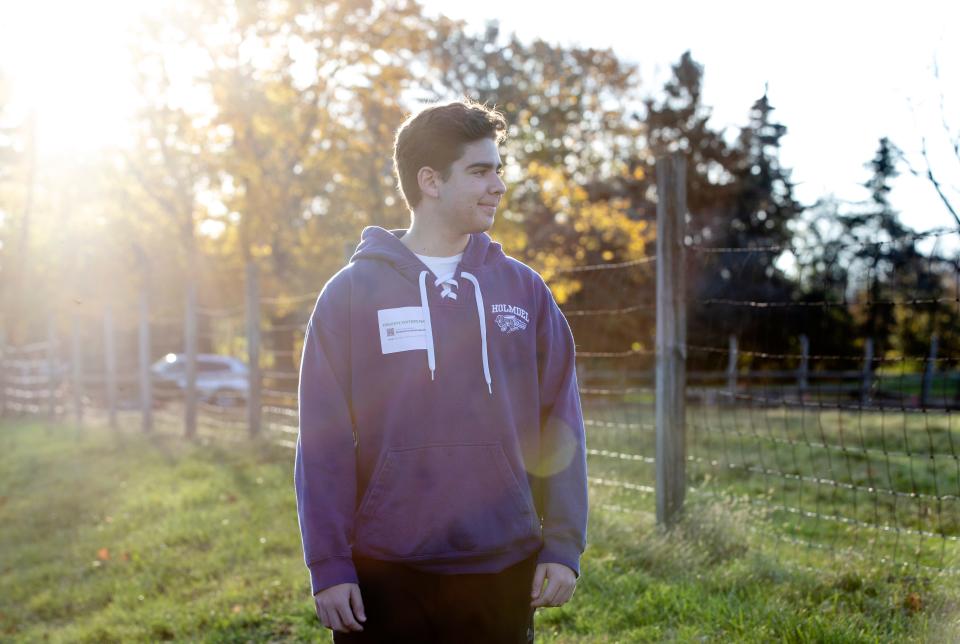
[109, 539]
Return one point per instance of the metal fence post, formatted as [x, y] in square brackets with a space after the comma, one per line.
[671, 338]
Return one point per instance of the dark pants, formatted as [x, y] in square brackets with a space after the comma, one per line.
[406, 605]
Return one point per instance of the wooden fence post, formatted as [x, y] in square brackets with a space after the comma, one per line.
[190, 339]
[76, 361]
[732, 369]
[110, 362]
[671, 338]
[52, 369]
[928, 372]
[254, 415]
[803, 372]
[867, 373]
[3, 373]
[146, 389]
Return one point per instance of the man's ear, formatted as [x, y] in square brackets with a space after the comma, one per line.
[429, 181]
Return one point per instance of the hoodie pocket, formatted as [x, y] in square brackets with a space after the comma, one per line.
[445, 500]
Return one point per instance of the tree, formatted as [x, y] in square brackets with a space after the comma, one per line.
[18, 187]
[738, 196]
[8, 220]
[567, 109]
[892, 268]
[678, 122]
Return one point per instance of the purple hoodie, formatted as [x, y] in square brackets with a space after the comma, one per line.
[444, 433]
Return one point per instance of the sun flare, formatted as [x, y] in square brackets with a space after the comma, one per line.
[67, 64]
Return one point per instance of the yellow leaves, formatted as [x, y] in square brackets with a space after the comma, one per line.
[601, 223]
[564, 290]
[510, 235]
[577, 231]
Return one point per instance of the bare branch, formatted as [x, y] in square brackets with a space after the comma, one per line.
[933, 180]
[954, 142]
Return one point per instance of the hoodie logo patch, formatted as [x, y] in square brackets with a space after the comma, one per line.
[510, 318]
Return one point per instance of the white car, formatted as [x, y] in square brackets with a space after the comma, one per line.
[221, 380]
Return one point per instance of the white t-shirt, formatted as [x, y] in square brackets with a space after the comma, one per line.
[441, 266]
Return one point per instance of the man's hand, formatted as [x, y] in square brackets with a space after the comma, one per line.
[339, 607]
[561, 582]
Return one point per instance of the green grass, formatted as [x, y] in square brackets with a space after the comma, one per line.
[148, 539]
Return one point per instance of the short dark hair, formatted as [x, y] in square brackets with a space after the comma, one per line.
[435, 138]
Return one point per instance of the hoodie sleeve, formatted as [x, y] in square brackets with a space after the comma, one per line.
[325, 464]
[563, 464]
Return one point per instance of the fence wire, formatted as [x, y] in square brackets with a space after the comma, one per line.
[840, 454]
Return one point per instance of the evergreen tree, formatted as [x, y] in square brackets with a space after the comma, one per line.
[891, 267]
[755, 210]
[678, 122]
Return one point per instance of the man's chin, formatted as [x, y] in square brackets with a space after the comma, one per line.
[481, 224]
[484, 227]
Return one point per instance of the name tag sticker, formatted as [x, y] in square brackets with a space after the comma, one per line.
[402, 329]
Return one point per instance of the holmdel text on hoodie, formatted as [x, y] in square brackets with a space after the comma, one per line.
[440, 421]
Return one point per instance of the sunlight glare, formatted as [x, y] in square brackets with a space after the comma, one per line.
[67, 62]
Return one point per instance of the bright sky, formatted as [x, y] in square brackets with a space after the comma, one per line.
[66, 62]
[840, 74]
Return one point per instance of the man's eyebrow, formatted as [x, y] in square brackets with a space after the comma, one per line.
[484, 165]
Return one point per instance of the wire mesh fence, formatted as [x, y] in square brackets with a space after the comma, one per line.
[841, 455]
[845, 456]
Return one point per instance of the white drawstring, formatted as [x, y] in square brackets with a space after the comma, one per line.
[428, 327]
[483, 330]
[446, 282]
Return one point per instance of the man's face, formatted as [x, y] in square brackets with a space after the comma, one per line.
[468, 199]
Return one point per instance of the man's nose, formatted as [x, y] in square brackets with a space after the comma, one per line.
[498, 187]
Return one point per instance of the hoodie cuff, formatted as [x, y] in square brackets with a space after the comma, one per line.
[330, 572]
[561, 553]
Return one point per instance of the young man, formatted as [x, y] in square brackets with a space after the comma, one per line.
[440, 467]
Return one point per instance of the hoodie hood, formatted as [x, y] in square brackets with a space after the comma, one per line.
[385, 245]
[377, 243]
